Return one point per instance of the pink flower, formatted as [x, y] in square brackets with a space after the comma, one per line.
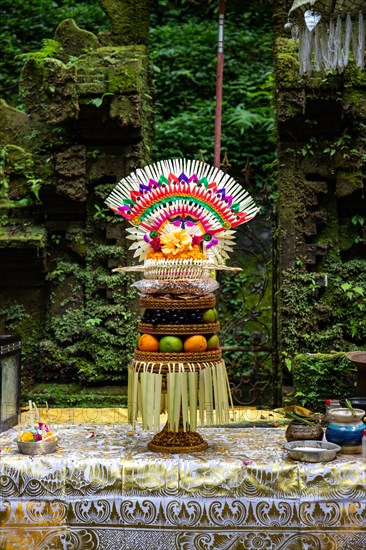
[155, 244]
[37, 437]
[196, 240]
[46, 428]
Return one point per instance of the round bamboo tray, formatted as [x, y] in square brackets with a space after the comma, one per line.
[204, 328]
[197, 302]
[156, 357]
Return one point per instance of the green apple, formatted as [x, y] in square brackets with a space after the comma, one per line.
[209, 316]
[213, 342]
[170, 344]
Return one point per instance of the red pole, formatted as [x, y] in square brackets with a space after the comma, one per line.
[219, 80]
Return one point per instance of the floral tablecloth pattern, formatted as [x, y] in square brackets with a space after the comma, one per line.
[103, 489]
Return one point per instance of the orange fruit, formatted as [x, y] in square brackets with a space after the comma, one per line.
[195, 344]
[170, 344]
[148, 342]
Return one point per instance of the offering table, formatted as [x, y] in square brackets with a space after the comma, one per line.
[103, 489]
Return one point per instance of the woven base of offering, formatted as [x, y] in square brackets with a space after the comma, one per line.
[156, 357]
[181, 303]
[177, 442]
[204, 328]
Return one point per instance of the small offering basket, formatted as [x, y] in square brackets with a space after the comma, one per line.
[37, 447]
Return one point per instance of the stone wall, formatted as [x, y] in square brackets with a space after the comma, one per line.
[321, 122]
[88, 123]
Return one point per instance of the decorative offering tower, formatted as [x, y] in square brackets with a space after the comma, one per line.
[184, 214]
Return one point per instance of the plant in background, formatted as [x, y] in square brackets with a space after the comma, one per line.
[186, 86]
[321, 376]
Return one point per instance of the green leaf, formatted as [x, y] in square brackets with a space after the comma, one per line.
[346, 286]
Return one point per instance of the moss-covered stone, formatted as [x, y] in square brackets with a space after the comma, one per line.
[89, 124]
[112, 70]
[16, 169]
[127, 111]
[129, 20]
[348, 182]
[354, 77]
[48, 90]
[287, 64]
[22, 235]
[14, 125]
[70, 166]
[74, 40]
[354, 101]
[290, 105]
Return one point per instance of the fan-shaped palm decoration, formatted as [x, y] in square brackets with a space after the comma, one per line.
[180, 206]
[330, 32]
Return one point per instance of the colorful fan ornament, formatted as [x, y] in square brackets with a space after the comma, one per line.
[184, 215]
[182, 211]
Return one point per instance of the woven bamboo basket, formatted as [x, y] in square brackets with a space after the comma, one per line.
[204, 357]
[163, 368]
[202, 302]
[204, 328]
[176, 269]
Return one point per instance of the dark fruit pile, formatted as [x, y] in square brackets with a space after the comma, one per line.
[173, 317]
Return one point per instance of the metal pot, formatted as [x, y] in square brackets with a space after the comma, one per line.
[298, 431]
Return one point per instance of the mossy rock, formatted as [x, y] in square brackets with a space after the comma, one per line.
[348, 182]
[354, 76]
[287, 64]
[48, 89]
[354, 100]
[130, 21]
[74, 40]
[14, 125]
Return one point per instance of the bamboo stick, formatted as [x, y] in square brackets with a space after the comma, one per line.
[184, 379]
[217, 410]
[157, 401]
[134, 404]
[150, 382]
[208, 396]
[143, 399]
[202, 397]
[170, 398]
[193, 386]
[177, 400]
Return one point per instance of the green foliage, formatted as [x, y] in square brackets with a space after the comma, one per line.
[74, 395]
[86, 335]
[320, 376]
[186, 87]
[49, 48]
[324, 319]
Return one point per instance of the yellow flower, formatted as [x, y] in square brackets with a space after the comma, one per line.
[176, 242]
[27, 436]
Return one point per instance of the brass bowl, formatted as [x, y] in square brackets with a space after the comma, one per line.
[37, 447]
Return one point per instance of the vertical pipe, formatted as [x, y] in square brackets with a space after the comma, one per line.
[219, 80]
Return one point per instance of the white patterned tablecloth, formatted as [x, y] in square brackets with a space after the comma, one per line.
[108, 492]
